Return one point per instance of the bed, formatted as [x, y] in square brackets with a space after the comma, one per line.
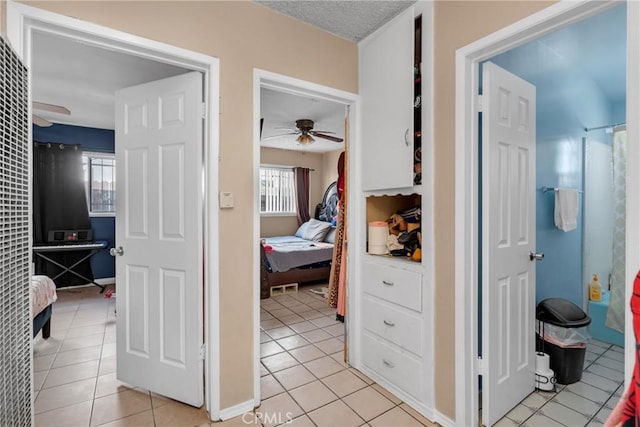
[43, 295]
[304, 257]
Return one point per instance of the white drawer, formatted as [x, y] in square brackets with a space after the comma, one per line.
[393, 284]
[400, 369]
[393, 324]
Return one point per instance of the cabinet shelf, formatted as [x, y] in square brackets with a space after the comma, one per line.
[402, 263]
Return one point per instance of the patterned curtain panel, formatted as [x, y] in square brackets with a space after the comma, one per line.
[617, 303]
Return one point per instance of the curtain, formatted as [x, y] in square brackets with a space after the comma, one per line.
[59, 203]
[617, 301]
[301, 179]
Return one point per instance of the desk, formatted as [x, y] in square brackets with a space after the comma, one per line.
[92, 248]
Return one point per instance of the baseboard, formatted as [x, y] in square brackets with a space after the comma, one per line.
[236, 410]
[443, 420]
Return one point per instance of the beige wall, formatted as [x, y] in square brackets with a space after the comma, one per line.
[286, 226]
[3, 12]
[457, 23]
[330, 168]
[243, 35]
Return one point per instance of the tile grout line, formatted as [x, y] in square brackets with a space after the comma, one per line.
[394, 405]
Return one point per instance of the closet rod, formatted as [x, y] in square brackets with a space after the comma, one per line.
[603, 127]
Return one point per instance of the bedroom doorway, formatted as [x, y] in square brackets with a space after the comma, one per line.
[23, 22]
[300, 128]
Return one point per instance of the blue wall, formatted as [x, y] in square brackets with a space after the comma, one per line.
[567, 103]
[99, 141]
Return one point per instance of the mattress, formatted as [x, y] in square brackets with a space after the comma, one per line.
[291, 252]
[43, 293]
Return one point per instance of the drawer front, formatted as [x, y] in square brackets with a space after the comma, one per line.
[393, 324]
[393, 284]
[400, 369]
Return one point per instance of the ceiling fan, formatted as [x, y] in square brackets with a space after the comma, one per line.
[304, 130]
[39, 121]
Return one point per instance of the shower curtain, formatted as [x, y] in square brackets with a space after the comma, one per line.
[617, 302]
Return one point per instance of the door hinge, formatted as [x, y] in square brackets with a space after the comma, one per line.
[203, 351]
[479, 366]
[479, 103]
[203, 110]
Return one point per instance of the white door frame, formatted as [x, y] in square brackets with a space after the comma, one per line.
[467, 177]
[282, 83]
[22, 20]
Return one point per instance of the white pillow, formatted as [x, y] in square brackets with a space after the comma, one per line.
[316, 230]
[301, 230]
[331, 235]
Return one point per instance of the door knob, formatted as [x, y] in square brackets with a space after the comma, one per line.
[116, 251]
[537, 256]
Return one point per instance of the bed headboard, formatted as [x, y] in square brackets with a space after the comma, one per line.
[328, 208]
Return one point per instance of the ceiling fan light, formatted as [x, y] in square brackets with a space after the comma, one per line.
[305, 139]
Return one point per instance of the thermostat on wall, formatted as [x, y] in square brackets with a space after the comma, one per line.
[226, 200]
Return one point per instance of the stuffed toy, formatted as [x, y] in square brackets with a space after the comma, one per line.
[406, 226]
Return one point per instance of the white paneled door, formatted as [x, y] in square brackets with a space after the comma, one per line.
[508, 209]
[159, 273]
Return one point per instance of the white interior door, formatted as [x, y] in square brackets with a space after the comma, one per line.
[159, 274]
[508, 208]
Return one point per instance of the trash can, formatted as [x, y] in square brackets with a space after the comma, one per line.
[562, 333]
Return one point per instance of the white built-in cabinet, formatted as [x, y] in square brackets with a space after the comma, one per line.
[386, 90]
[393, 296]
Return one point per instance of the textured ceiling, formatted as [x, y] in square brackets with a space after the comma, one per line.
[352, 20]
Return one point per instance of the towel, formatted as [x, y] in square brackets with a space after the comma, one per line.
[566, 211]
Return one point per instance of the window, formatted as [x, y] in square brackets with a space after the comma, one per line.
[277, 191]
[100, 183]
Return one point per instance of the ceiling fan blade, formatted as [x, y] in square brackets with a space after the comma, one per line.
[39, 121]
[278, 136]
[329, 137]
[50, 107]
[289, 129]
[321, 131]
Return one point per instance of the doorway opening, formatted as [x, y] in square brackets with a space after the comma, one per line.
[24, 22]
[270, 86]
[468, 255]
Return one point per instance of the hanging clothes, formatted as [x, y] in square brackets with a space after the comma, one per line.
[336, 262]
[336, 297]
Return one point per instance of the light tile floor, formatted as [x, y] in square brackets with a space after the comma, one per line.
[304, 378]
[74, 372]
[585, 403]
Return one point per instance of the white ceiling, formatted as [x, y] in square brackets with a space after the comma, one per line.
[280, 110]
[84, 79]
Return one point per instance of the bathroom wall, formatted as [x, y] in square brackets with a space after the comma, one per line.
[99, 141]
[568, 101]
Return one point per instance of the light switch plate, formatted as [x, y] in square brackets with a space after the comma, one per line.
[226, 200]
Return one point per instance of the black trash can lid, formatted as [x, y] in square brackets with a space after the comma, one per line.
[561, 312]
